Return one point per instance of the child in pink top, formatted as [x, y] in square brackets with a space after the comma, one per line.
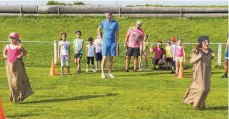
[18, 80]
[179, 55]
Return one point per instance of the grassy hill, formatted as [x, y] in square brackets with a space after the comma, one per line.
[48, 28]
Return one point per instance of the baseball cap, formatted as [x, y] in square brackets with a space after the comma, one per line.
[15, 35]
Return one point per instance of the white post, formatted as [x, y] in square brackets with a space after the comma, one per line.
[55, 51]
[219, 54]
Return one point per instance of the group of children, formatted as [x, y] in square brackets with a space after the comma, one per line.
[173, 55]
[93, 50]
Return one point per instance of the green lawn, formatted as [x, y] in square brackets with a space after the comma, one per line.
[140, 95]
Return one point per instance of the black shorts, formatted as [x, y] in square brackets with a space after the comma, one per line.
[90, 59]
[78, 56]
[99, 56]
[170, 60]
[133, 52]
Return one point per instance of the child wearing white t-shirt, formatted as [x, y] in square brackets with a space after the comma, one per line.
[98, 51]
[90, 51]
[64, 52]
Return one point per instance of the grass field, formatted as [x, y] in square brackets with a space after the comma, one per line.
[141, 95]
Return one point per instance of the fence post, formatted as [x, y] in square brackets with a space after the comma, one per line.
[119, 11]
[58, 10]
[20, 11]
[181, 14]
[55, 51]
[219, 54]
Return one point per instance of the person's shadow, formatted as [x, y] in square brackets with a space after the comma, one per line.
[217, 108]
[84, 97]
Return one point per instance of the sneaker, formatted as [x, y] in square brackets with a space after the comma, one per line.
[140, 69]
[111, 76]
[135, 70]
[103, 76]
[126, 70]
[78, 72]
[86, 70]
[94, 70]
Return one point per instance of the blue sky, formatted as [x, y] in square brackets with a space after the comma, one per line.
[120, 2]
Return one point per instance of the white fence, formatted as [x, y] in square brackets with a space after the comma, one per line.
[219, 56]
[41, 52]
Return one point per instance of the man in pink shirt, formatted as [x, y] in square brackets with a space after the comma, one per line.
[133, 41]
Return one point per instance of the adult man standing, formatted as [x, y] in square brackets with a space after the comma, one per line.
[110, 41]
[133, 41]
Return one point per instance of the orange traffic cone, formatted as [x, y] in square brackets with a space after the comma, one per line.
[1, 111]
[52, 70]
[181, 71]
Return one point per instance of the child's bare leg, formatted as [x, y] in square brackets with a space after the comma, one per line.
[140, 63]
[177, 67]
[68, 69]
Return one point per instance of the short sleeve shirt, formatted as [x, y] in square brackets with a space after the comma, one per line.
[64, 47]
[77, 44]
[109, 30]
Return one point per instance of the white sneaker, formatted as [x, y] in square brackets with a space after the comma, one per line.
[103, 76]
[94, 70]
[140, 69]
[86, 70]
[111, 76]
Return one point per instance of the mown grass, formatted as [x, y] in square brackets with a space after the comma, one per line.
[48, 28]
[141, 95]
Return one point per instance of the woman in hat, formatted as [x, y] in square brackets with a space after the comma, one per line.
[18, 80]
[201, 57]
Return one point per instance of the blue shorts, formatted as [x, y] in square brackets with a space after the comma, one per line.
[226, 55]
[109, 49]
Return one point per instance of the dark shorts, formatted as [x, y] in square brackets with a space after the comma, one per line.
[155, 61]
[78, 56]
[170, 60]
[133, 52]
[99, 56]
[90, 59]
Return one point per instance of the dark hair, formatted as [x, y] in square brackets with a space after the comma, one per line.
[78, 31]
[197, 50]
[63, 33]
[90, 39]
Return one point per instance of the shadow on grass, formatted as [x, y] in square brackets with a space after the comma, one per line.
[218, 108]
[84, 97]
[21, 115]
